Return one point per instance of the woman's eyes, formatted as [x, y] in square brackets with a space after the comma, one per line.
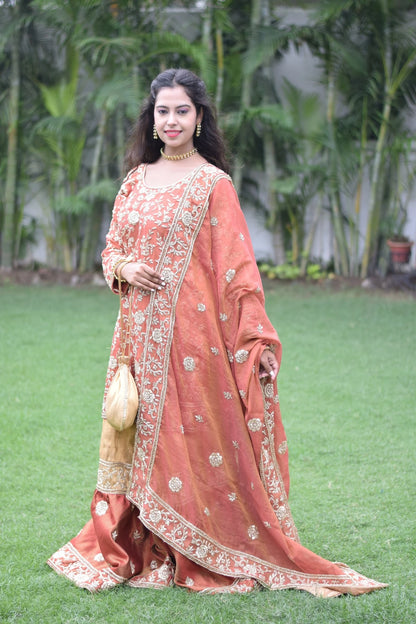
[180, 111]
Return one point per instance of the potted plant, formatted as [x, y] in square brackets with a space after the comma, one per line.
[400, 247]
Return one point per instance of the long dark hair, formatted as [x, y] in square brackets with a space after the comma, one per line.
[143, 148]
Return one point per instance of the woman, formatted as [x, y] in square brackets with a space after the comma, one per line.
[196, 493]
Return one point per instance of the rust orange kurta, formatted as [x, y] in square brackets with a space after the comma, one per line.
[197, 494]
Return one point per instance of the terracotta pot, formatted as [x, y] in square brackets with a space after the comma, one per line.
[400, 250]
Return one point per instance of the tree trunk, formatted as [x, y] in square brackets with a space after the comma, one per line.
[246, 88]
[10, 196]
[335, 196]
[93, 220]
[311, 235]
[270, 167]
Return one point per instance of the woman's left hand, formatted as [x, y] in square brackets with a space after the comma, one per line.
[268, 365]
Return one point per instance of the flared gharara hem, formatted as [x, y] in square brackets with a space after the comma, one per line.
[69, 563]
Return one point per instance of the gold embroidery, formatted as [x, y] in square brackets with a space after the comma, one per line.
[253, 532]
[175, 484]
[230, 275]
[282, 448]
[113, 477]
[215, 459]
[101, 508]
[254, 424]
[189, 364]
[241, 356]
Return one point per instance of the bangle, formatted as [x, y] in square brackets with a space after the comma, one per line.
[119, 263]
[120, 268]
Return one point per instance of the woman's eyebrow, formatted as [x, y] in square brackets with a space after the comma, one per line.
[179, 106]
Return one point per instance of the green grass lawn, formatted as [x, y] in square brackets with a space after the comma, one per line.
[348, 398]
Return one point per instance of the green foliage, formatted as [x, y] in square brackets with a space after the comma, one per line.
[291, 271]
[349, 418]
[86, 66]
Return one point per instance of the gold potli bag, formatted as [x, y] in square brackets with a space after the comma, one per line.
[122, 400]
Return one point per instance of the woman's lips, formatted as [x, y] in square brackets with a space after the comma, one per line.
[172, 133]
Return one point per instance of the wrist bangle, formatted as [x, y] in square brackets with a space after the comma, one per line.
[120, 267]
[119, 264]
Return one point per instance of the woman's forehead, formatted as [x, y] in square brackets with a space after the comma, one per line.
[173, 96]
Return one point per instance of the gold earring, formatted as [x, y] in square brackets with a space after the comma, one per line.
[155, 134]
[198, 130]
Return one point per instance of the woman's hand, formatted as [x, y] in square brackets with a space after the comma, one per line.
[141, 275]
[268, 365]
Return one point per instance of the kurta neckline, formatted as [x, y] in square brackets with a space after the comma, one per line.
[168, 186]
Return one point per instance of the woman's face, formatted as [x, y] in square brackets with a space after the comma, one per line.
[175, 119]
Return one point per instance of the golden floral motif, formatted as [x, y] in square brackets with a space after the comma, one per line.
[99, 557]
[155, 515]
[133, 217]
[164, 572]
[228, 395]
[202, 551]
[269, 390]
[175, 484]
[167, 275]
[189, 582]
[242, 393]
[282, 448]
[139, 317]
[253, 532]
[281, 512]
[198, 418]
[223, 316]
[241, 356]
[215, 459]
[230, 275]
[187, 218]
[148, 396]
[101, 508]
[201, 307]
[254, 424]
[189, 363]
[215, 351]
[232, 497]
[214, 221]
[157, 335]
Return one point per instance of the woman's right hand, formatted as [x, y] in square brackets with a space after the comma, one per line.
[141, 275]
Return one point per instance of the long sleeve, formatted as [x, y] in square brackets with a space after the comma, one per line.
[115, 250]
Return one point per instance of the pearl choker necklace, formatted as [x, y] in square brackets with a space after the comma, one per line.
[178, 156]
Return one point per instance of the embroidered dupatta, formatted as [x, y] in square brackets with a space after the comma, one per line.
[197, 493]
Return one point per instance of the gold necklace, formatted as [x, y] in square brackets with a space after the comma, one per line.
[178, 156]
